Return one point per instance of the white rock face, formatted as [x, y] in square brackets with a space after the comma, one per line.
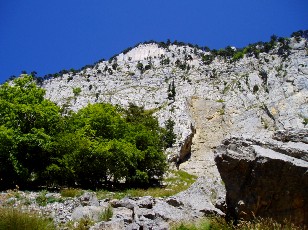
[218, 100]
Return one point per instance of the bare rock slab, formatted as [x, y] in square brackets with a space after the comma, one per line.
[263, 182]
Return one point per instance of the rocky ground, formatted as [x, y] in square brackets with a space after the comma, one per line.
[128, 213]
[264, 178]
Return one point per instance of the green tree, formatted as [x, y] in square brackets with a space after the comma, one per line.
[169, 136]
[28, 122]
[103, 144]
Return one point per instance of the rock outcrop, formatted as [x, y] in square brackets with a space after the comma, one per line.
[266, 178]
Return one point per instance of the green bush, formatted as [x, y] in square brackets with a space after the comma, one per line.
[99, 145]
[237, 56]
[76, 91]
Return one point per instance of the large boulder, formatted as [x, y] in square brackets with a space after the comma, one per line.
[265, 178]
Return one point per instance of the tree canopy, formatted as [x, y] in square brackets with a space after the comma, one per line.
[100, 145]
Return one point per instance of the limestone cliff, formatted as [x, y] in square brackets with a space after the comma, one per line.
[249, 97]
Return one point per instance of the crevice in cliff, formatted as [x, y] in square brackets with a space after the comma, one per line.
[185, 152]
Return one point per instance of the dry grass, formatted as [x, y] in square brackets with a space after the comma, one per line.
[71, 192]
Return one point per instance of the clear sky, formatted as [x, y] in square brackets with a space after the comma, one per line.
[47, 36]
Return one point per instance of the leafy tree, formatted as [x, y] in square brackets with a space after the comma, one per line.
[109, 145]
[28, 123]
[99, 145]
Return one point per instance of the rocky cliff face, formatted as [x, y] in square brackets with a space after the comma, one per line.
[244, 101]
[265, 178]
[251, 96]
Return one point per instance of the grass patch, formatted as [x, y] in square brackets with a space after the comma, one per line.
[71, 192]
[220, 223]
[107, 214]
[175, 182]
[12, 219]
[41, 199]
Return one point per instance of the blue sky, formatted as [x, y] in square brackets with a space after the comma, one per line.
[48, 36]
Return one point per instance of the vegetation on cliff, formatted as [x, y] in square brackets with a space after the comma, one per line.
[99, 146]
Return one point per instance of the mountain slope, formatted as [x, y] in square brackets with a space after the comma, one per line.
[209, 100]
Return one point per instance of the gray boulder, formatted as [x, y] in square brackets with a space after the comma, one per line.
[117, 224]
[201, 197]
[262, 180]
[91, 212]
[124, 214]
[89, 198]
[170, 213]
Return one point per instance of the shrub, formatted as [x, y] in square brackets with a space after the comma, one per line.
[41, 199]
[237, 56]
[76, 91]
[207, 59]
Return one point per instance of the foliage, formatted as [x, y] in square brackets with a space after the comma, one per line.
[12, 219]
[238, 55]
[98, 146]
[76, 91]
[41, 199]
[28, 123]
[170, 136]
[71, 192]
[102, 146]
[207, 59]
